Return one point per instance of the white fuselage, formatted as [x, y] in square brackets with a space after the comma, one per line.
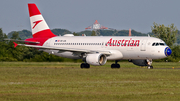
[120, 47]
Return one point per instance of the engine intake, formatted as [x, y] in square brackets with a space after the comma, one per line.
[96, 59]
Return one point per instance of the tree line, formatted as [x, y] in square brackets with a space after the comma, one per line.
[28, 54]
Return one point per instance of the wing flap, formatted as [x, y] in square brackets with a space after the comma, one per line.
[68, 49]
[56, 48]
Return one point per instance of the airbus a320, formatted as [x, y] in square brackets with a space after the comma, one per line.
[94, 50]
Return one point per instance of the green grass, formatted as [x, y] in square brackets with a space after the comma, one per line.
[66, 81]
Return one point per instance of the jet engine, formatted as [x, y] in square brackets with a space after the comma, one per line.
[145, 62]
[96, 59]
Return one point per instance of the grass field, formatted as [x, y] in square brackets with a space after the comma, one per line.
[41, 81]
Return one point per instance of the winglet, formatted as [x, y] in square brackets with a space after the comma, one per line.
[15, 44]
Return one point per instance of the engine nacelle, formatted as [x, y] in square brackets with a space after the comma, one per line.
[96, 59]
[146, 62]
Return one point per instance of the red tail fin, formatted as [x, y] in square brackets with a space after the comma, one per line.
[39, 26]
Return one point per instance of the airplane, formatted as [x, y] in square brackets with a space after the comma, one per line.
[94, 50]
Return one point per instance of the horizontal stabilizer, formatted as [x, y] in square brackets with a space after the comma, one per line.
[22, 41]
[15, 44]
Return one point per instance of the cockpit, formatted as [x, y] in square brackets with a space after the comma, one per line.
[159, 44]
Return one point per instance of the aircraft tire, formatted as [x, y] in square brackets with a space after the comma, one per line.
[85, 65]
[115, 66]
[112, 66]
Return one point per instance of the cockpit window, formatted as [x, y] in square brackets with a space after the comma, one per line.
[162, 44]
[158, 44]
[153, 44]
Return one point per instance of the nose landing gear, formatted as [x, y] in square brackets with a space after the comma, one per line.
[149, 62]
[150, 67]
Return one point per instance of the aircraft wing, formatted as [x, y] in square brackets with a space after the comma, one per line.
[66, 49]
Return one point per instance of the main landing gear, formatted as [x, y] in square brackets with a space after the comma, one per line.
[85, 65]
[116, 65]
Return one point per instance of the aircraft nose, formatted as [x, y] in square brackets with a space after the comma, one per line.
[167, 51]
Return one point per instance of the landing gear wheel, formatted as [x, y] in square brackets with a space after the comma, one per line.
[85, 65]
[150, 67]
[115, 66]
[82, 65]
[112, 66]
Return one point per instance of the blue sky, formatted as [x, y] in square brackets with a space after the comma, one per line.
[76, 15]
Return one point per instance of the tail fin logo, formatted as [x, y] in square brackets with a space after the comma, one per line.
[36, 22]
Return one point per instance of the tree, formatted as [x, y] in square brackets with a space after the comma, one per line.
[15, 35]
[166, 33]
[2, 35]
[93, 33]
[75, 34]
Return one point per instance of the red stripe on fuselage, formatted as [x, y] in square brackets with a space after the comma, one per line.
[33, 10]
